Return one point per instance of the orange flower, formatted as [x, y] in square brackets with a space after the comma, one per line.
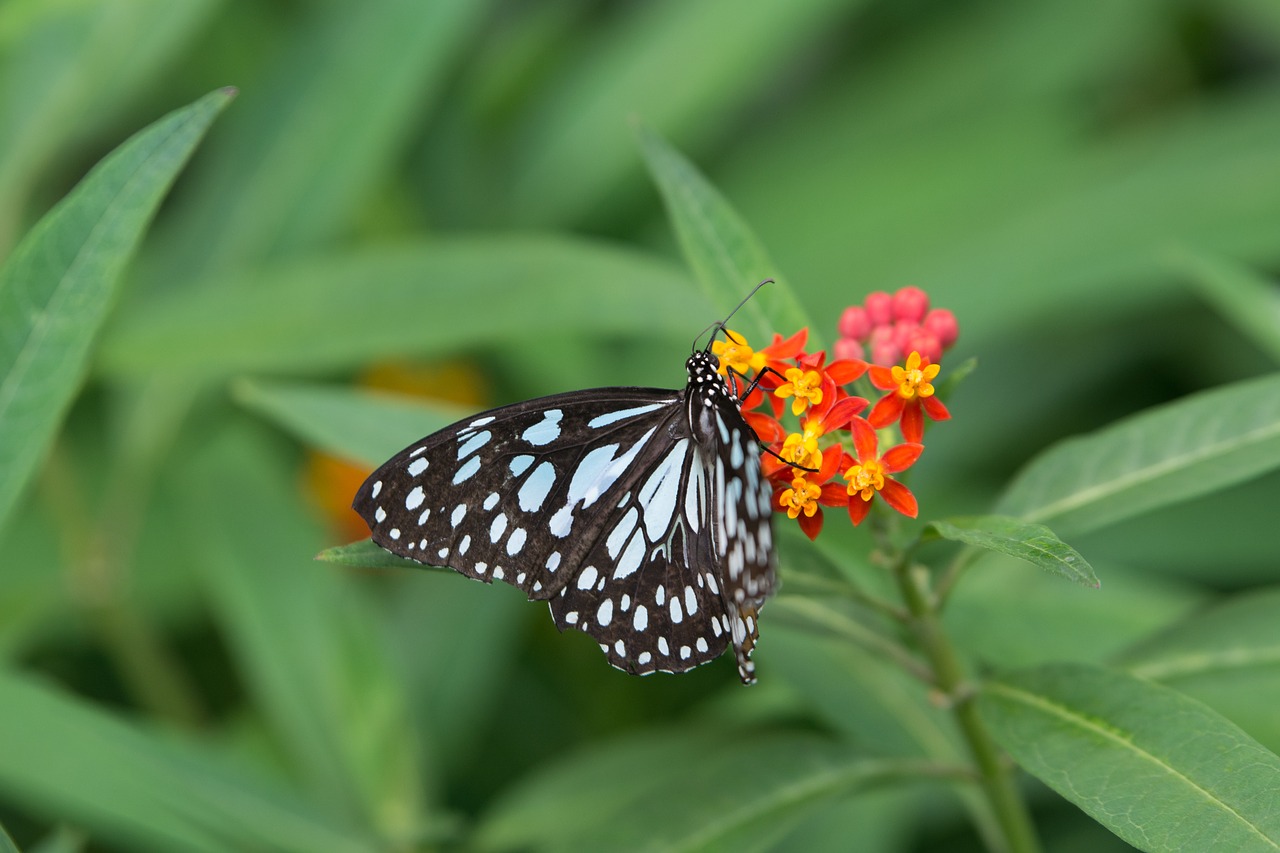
[910, 397]
[868, 474]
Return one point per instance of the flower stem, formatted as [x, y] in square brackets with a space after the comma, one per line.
[996, 775]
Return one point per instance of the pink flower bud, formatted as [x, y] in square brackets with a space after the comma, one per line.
[854, 323]
[848, 348]
[910, 304]
[942, 324]
[885, 354]
[879, 308]
[903, 333]
[927, 345]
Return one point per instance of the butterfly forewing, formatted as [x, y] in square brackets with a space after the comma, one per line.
[514, 494]
[640, 514]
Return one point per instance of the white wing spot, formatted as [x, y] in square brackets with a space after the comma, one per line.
[520, 464]
[690, 601]
[587, 579]
[702, 644]
[464, 544]
[520, 578]
[417, 466]
[631, 558]
[605, 614]
[571, 617]
[417, 451]
[663, 647]
[467, 471]
[516, 541]
[622, 414]
[498, 527]
[677, 614]
[377, 487]
[459, 512]
[640, 620]
[685, 651]
[498, 573]
[479, 422]
[658, 494]
[380, 515]
[660, 595]
[422, 519]
[481, 568]
[414, 499]
[395, 533]
[621, 648]
[625, 604]
[442, 553]
[536, 488]
[474, 443]
[644, 658]
[546, 430]
[553, 561]
[491, 501]
[620, 533]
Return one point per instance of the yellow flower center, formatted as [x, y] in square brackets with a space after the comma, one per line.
[865, 479]
[801, 497]
[805, 386]
[736, 355]
[914, 379]
[802, 450]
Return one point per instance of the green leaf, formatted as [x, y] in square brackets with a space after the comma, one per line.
[59, 283]
[312, 652]
[366, 555]
[1158, 769]
[711, 792]
[349, 87]
[1182, 450]
[434, 298]
[1032, 543]
[725, 255]
[6, 843]
[1227, 656]
[67, 760]
[364, 426]
[1244, 298]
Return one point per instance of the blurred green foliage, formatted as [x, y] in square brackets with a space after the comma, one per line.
[1093, 188]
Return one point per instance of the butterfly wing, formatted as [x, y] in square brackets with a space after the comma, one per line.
[517, 493]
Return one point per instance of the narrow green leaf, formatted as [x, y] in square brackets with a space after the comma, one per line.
[711, 793]
[1244, 298]
[347, 89]
[1171, 453]
[311, 650]
[725, 255]
[429, 299]
[1227, 656]
[366, 555]
[142, 791]
[1158, 769]
[364, 426]
[6, 843]
[1032, 543]
[59, 283]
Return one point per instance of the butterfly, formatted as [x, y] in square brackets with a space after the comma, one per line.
[639, 514]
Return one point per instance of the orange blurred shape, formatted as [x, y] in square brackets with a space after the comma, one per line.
[330, 482]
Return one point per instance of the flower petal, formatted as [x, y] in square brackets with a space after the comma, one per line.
[811, 524]
[882, 377]
[901, 457]
[887, 410]
[912, 422]
[858, 510]
[934, 408]
[846, 370]
[834, 494]
[899, 497]
[767, 429]
[789, 348]
[864, 439]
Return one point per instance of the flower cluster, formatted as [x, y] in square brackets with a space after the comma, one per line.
[892, 327]
[833, 457]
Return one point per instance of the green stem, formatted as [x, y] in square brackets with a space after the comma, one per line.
[996, 775]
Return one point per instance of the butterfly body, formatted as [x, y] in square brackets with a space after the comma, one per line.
[641, 515]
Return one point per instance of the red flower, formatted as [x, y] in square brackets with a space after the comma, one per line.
[801, 498]
[910, 397]
[868, 474]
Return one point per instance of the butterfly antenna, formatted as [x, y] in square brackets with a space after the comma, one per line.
[721, 325]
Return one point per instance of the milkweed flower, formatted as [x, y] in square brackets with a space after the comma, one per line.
[868, 473]
[911, 396]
